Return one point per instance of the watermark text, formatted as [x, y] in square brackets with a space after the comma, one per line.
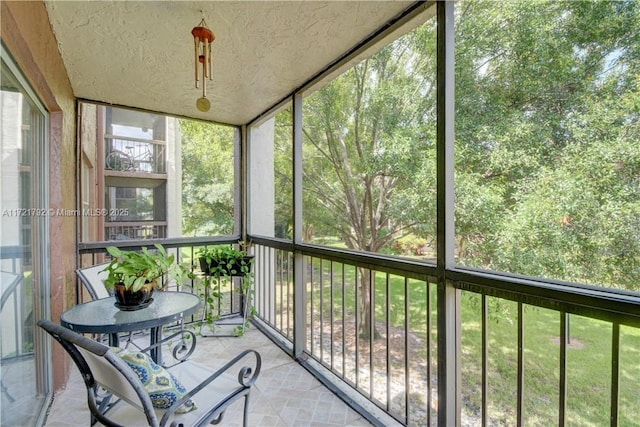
[22, 212]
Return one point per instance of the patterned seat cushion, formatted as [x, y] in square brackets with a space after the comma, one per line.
[163, 388]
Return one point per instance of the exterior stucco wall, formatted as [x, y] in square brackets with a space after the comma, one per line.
[27, 35]
[91, 190]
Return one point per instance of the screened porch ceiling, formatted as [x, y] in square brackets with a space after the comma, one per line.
[140, 53]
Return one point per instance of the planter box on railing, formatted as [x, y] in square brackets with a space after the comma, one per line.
[235, 268]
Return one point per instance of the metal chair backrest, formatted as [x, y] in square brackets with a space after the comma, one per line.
[128, 403]
[100, 366]
[92, 279]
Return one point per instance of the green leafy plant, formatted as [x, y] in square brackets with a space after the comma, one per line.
[136, 268]
[225, 261]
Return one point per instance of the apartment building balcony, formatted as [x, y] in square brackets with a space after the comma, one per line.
[441, 197]
[285, 394]
[134, 162]
[519, 341]
[134, 230]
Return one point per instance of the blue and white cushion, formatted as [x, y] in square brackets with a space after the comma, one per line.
[163, 388]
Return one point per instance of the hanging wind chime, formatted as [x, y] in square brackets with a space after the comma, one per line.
[202, 40]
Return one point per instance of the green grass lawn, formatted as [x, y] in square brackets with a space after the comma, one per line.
[588, 367]
[588, 358]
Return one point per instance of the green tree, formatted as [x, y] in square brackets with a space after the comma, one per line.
[207, 178]
[546, 139]
[369, 167]
[283, 174]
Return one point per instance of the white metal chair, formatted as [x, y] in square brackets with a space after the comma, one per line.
[127, 402]
[92, 278]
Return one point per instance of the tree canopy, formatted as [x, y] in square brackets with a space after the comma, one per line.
[547, 158]
[547, 139]
[547, 154]
[207, 178]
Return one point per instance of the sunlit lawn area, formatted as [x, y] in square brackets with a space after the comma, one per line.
[588, 366]
[588, 354]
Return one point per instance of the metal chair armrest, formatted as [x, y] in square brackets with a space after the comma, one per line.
[247, 376]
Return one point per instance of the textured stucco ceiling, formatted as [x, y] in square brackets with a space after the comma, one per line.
[140, 53]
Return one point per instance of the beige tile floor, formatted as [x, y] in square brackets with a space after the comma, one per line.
[285, 394]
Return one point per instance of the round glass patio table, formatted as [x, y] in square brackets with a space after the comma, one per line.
[103, 317]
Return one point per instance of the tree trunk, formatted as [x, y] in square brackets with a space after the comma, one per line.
[367, 330]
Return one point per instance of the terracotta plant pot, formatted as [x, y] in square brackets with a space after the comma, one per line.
[129, 300]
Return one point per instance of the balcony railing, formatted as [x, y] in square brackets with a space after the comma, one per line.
[124, 154]
[524, 352]
[132, 230]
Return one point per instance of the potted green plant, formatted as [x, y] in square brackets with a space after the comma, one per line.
[225, 260]
[133, 275]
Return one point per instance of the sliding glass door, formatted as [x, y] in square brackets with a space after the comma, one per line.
[24, 266]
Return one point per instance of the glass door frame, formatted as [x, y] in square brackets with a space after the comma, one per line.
[40, 239]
